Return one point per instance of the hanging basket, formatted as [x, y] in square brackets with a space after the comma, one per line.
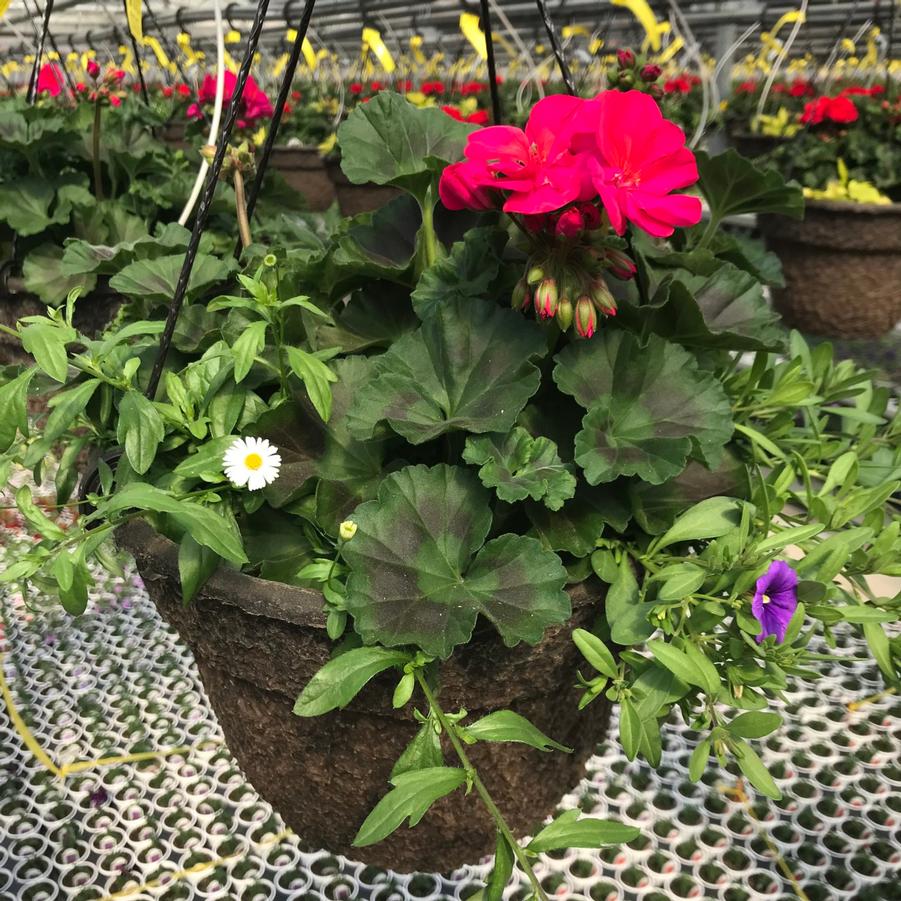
[842, 267]
[355, 199]
[754, 145]
[258, 643]
[304, 170]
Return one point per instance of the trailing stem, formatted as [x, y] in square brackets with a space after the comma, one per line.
[473, 776]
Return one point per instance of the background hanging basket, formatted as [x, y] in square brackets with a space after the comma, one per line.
[842, 266]
[258, 643]
[354, 199]
[304, 170]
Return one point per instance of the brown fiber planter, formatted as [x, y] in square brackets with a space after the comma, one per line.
[842, 267]
[258, 643]
[753, 145]
[92, 313]
[354, 199]
[304, 170]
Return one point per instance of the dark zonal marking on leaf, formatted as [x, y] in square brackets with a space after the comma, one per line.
[646, 405]
[418, 576]
[467, 367]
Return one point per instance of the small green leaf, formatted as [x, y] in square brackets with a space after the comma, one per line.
[500, 874]
[754, 724]
[626, 615]
[35, 517]
[316, 377]
[196, 564]
[340, 680]
[865, 613]
[424, 751]
[505, 725]
[697, 763]
[65, 406]
[755, 770]
[881, 649]
[681, 665]
[711, 518]
[629, 728]
[570, 830]
[247, 347]
[47, 344]
[413, 794]
[140, 429]
[14, 409]
[785, 537]
[596, 653]
[680, 581]
[404, 691]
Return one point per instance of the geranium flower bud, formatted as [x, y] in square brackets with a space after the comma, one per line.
[535, 275]
[650, 72]
[546, 298]
[625, 58]
[522, 296]
[586, 317]
[602, 298]
[620, 265]
[564, 313]
[655, 91]
[93, 68]
[570, 224]
[626, 77]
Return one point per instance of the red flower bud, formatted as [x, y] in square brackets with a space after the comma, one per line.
[620, 265]
[602, 298]
[93, 68]
[650, 73]
[625, 58]
[546, 298]
[586, 317]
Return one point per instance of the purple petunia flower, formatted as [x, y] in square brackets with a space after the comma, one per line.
[775, 600]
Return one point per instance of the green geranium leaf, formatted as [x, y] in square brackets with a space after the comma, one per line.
[25, 205]
[388, 141]
[467, 367]
[375, 316]
[468, 272]
[520, 466]
[646, 405]
[44, 275]
[155, 280]
[577, 526]
[349, 470]
[732, 184]
[420, 575]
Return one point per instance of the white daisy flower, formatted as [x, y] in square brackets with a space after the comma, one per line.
[253, 462]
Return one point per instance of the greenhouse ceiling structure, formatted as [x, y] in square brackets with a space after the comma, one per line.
[337, 24]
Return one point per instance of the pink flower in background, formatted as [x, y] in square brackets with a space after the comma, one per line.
[50, 80]
[641, 159]
[254, 102]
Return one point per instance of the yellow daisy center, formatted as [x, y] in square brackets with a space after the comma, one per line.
[253, 461]
[766, 599]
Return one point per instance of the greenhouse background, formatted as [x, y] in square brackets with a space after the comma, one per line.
[272, 275]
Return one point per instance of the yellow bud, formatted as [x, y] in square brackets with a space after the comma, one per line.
[347, 530]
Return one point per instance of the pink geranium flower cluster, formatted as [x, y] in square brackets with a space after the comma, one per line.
[616, 147]
[255, 104]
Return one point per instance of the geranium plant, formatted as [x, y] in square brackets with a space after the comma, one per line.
[446, 413]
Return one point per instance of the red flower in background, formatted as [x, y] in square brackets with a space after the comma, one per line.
[50, 80]
[255, 104]
[801, 88]
[356, 88]
[472, 87]
[746, 87]
[432, 87]
[829, 109]
[857, 90]
[680, 85]
[479, 117]
[376, 86]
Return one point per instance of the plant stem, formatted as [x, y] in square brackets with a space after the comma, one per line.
[95, 152]
[479, 786]
[241, 209]
[709, 232]
[10, 331]
[429, 238]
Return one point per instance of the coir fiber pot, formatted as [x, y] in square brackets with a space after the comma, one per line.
[304, 170]
[842, 266]
[753, 145]
[354, 199]
[258, 643]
